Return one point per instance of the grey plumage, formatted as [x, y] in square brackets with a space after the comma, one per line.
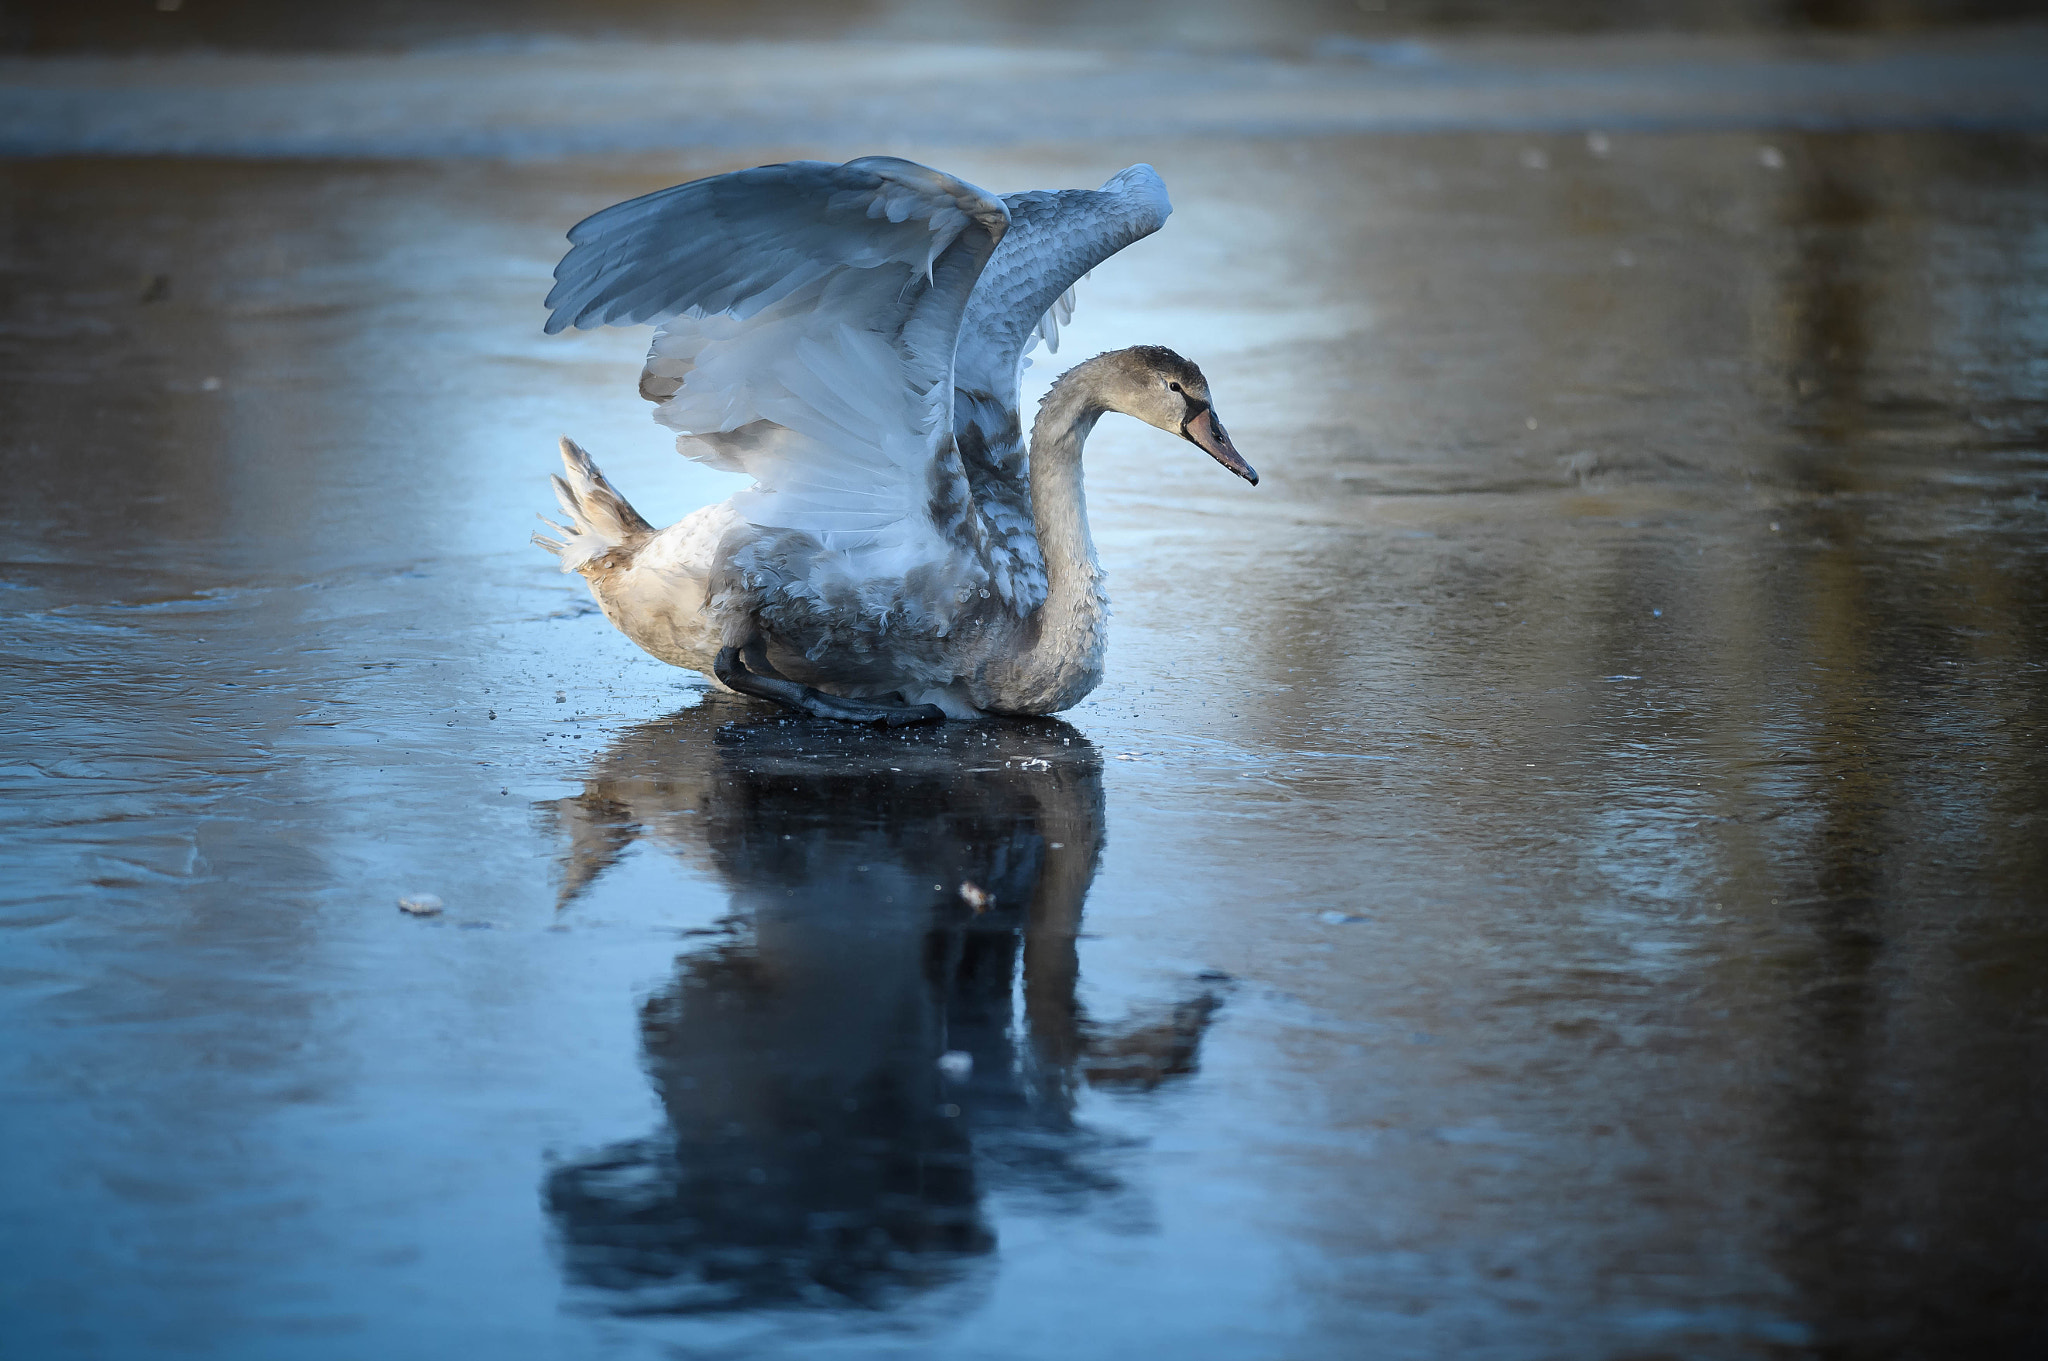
[851, 337]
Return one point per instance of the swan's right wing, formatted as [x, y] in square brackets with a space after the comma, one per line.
[808, 318]
[1026, 294]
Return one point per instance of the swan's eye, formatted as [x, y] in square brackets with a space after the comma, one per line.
[1175, 386]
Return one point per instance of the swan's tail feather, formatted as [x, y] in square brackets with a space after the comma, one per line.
[601, 522]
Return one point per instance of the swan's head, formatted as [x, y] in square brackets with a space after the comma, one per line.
[1160, 388]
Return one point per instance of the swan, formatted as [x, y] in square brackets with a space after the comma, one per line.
[852, 337]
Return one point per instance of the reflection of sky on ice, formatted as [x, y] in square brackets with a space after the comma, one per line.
[1621, 832]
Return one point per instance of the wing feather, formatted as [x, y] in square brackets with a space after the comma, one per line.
[1025, 294]
[741, 242]
[808, 314]
[1048, 329]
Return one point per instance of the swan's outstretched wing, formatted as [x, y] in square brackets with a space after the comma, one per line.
[809, 313]
[1024, 294]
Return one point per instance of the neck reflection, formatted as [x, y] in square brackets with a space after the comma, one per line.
[888, 1031]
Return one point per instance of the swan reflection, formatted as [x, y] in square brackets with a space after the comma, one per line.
[887, 1030]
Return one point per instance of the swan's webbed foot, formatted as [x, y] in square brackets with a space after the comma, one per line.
[732, 672]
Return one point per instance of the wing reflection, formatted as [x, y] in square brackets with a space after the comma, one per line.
[826, 1141]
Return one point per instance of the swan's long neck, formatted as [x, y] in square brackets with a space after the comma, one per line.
[1064, 660]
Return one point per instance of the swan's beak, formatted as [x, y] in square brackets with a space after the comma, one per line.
[1207, 433]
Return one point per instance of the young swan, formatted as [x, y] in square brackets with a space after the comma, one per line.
[768, 612]
[1056, 659]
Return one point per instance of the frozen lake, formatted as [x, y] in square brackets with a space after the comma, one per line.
[1558, 869]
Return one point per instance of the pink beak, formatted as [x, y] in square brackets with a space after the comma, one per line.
[1207, 433]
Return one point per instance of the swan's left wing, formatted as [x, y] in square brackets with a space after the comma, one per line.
[1026, 294]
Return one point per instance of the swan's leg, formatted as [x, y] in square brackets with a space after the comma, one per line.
[754, 658]
[732, 672]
